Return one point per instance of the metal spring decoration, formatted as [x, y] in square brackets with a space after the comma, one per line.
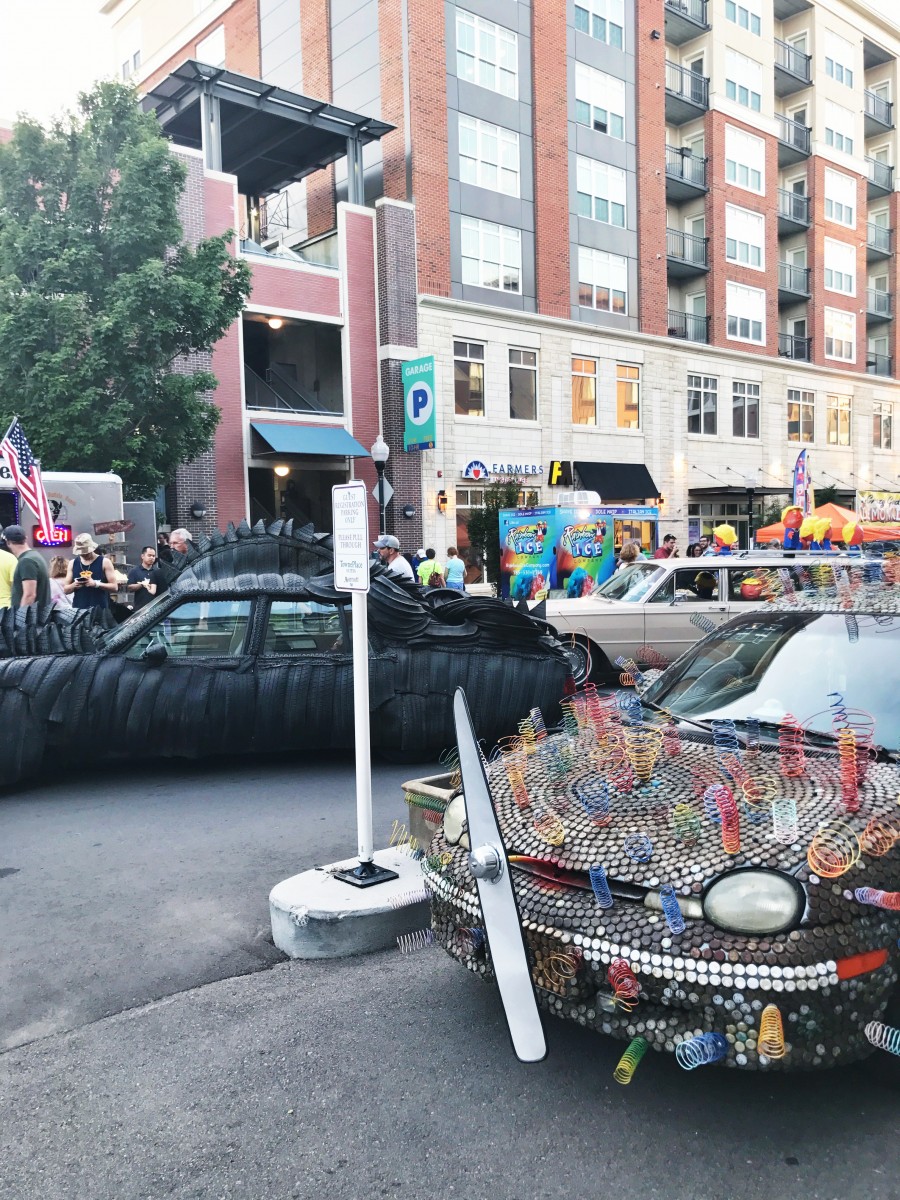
[685, 823]
[885, 1037]
[420, 895]
[725, 738]
[450, 759]
[593, 796]
[731, 821]
[848, 775]
[561, 967]
[630, 666]
[732, 766]
[703, 623]
[751, 735]
[700, 1051]
[839, 717]
[600, 886]
[626, 679]
[833, 851]
[527, 735]
[671, 908]
[631, 709]
[548, 826]
[618, 770]
[787, 583]
[642, 745]
[771, 1033]
[537, 724]
[784, 820]
[790, 747]
[569, 707]
[629, 1061]
[888, 900]
[649, 656]
[852, 628]
[469, 939]
[760, 791]
[671, 739]
[514, 764]
[638, 847]
[879, 837]
[418, 940]
[711, 801]
[623, 982]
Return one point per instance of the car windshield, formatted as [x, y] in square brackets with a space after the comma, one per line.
[765, 666]
[631, 584]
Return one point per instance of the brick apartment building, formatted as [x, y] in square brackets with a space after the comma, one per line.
[656, 234]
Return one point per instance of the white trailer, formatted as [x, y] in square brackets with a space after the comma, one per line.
[81, 503]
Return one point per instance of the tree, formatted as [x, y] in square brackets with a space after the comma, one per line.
[483, 525]
[100, 297]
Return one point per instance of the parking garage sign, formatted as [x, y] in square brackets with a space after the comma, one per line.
[420, 424]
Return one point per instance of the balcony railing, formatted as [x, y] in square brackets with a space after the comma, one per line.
[791, 133]
[795, 61]
[793, 279]
[881, 174]
[878, 304]
[879, 364]
[879, 238]
[279, 394]
[879, 109]
[682, 164]
[690, 326]
[695, 9]
[797, 348]
[687, 248]
[687, 85]
[793, 206]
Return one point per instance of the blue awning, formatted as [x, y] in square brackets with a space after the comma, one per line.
[326, 441]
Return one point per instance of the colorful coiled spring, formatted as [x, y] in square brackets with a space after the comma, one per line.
[885, 1037]
[420, 895]
[703, 623]
[618, 771]
[671, 740]
[685, 823]
[700, 1051]
[734, 769]
[569, 707]
[630, 667]
[642, 745]
[879, 836]
[527, 735]
[848, 775]
[638, 847]
[729, 816]
[671, 908]
[514, 763]
[624, 983]
[469, 939]
[839, 716]
[537, 724]
[408, 943]
[834, 850]
[600, 886]
[631, 709]
[852, 626]
[771, 1033]
[593, 796]
[649, 656]
[561, 967]
[628, 1063]
[784, 820]
[549, 827]
[879, 899]
[725, 738]
[751, 735]
[792, 760]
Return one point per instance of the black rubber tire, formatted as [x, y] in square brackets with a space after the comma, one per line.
[581, 651]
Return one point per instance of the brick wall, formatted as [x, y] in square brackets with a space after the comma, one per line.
[551, 158]
[650, 72]
[241, 23]
[819, 298]
[315, 35]
[427, 82]
[293, 288]
[393, 145]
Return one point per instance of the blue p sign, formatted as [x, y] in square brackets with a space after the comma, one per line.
[419, 404]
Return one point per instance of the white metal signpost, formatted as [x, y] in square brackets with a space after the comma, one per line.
[350, 523]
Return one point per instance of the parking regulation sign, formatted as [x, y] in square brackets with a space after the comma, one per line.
[420, 424]
[350, 522]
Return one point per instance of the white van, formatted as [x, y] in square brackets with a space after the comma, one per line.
[81, 503]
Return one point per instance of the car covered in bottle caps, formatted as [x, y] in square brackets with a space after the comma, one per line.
[713, 866]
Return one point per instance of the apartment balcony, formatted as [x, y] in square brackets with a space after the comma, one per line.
[797, 348]
[793, 212]
[879, 114]
[687, 94]
[690, 326]
[879, 364]
[685, 20]
[793, 283]
[879, 242]
[783, 9]
[685, 175]
[686, 255]
[794, 140]
[873, 54]
[878, 306]
[881, 178]
[793, 69]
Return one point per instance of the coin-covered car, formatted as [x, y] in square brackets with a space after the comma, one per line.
[713, 868]
[249, 650]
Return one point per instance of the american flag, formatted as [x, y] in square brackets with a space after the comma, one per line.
[26, 474]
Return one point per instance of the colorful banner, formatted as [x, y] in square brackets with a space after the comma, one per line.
[419, 411]
[878, 508]
[802, 491]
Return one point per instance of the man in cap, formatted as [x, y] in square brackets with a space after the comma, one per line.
[389, 552]
[91, 577]
[31, 582]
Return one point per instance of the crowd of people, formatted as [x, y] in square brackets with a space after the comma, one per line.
[424, 567]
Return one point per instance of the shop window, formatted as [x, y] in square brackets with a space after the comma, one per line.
[628, 396]
[702, 395]
[584, 391]
[523, 385]
[801, 415]
[745, 409]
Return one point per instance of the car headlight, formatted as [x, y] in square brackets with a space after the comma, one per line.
[754, 902]
[454, 825]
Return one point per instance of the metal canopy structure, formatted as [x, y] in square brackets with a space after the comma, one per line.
[267, 136]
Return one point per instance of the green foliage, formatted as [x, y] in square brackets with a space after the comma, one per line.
[483, 525]
[100, 296]
[772, 513]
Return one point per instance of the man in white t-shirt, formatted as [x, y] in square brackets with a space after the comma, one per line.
[389, 552]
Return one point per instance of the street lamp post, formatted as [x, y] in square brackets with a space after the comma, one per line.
[380, 451]
[750, 482]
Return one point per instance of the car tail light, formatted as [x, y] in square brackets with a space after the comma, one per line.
[861, 964]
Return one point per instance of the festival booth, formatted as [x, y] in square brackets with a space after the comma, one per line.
[839, 517]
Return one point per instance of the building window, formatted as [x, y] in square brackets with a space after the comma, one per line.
[628, 396]
[882, 420]
[744, 409]
[746, 15]
[703, 399]
[840, 335]
[839, 126]
[523, 385]
[488, 155]
[211, 49]
[801, 415]
[491, 255]
[840, 198]
[601, 191]
[838, 413]
[487, 54]
[601, 19]
[599, 101]
[743, 80]
[468, 378]
[745, 160]
[745, 237]
[584, 391]
[838, 58]
[840, 267]
[745, 310]
[602, 280]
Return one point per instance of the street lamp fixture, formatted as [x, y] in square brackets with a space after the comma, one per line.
[380, 452]
[751, 485]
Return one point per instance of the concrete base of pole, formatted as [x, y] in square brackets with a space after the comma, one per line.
[317, 916]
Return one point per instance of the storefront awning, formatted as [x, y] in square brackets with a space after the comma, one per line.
[324, 441]
[617, 481]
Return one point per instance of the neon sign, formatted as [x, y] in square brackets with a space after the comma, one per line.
[60, 535]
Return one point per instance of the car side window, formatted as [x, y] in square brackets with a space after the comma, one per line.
[296, 626]
[744, 586]
[695, 585]
[198, 629]
[664, 594]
